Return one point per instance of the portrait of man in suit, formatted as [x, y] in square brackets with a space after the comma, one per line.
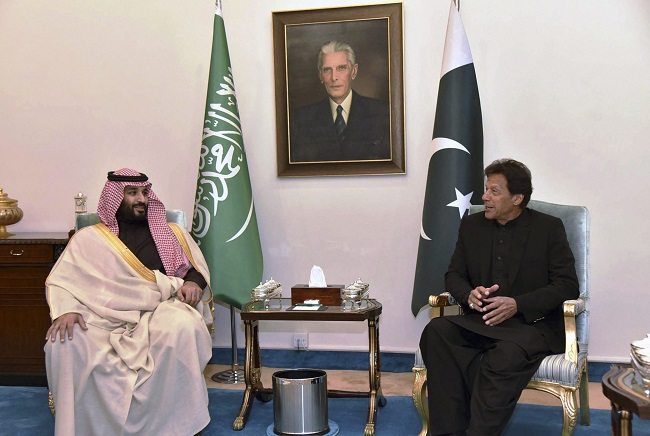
[345, 125]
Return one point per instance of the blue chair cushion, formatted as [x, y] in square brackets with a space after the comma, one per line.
[557, 369]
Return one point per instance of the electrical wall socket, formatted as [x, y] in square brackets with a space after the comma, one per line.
[301, 341]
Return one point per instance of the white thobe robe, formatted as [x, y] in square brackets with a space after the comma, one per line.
[138, 369]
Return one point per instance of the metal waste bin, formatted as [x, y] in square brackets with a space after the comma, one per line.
[300, 402]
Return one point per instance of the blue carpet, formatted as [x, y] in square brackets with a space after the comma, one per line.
[24, 411]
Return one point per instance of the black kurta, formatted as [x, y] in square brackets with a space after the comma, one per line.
[476, 372]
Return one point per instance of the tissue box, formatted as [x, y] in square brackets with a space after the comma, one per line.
[328, 296]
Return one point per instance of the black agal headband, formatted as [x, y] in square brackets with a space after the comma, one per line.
[120, 178]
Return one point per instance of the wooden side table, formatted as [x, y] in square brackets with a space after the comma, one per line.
[626, 398]
[25, 261]
[253, 312]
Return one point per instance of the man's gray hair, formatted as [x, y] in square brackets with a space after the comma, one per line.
[333, 47]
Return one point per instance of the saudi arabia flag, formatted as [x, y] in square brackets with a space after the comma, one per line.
[224, 223]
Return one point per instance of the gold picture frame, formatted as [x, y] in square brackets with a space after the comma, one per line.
[373, 142]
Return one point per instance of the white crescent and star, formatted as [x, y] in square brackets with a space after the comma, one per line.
[463, 201]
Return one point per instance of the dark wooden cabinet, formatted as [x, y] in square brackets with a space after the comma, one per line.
[25, 261]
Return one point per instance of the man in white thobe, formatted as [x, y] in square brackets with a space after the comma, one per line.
[131, 308]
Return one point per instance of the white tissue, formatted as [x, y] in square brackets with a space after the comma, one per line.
[317, 278]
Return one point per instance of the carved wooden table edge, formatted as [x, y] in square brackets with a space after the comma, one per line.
[625, 401]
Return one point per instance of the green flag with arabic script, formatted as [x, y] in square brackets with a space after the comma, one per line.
[224, 223]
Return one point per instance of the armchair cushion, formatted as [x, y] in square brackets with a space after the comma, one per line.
[557, 369]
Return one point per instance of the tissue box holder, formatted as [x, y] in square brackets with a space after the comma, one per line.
[328, 296]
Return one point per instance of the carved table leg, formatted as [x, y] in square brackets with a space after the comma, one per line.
[374, 370]
[626, 422]
[252, 370]
[621, 421]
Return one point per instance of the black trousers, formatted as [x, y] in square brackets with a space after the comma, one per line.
[473, 381]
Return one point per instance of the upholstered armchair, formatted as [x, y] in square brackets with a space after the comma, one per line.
[561, 375]
[89, 219]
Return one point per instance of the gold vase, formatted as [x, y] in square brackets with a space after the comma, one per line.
[10, 213]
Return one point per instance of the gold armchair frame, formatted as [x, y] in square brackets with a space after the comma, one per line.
[564, 390]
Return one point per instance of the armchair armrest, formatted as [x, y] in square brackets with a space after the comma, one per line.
[578, 306]
[571, 309]
[443, 300]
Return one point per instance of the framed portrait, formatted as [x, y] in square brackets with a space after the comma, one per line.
[339, 91]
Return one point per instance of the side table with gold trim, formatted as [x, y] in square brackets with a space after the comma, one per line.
[627, 398]
[253, 312]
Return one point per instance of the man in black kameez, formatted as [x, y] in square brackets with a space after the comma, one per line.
[511, 270]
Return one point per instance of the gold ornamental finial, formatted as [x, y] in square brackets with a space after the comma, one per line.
[10, 213]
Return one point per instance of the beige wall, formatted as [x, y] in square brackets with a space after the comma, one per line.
[88, 87]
